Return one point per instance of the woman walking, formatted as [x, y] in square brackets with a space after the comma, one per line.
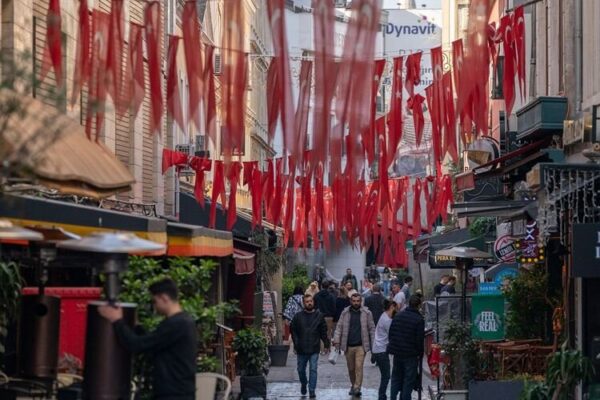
[381, 341]
[294, 306]
[341, 302]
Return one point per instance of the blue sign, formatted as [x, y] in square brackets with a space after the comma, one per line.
[489, 288]
[509, 272]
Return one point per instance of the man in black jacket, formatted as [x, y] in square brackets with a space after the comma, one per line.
[406, 344]
[308, 330]
[325, 302]
[173, 345]
[374, 302]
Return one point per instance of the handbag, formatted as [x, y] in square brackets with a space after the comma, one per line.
[333, 356]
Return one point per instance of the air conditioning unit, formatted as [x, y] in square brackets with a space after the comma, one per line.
[340, 3]
[189, 150]
[218, 66]
[200, 142]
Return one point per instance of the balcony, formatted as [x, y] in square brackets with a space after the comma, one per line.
[541, 118]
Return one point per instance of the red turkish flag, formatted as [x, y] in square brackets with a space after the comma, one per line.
[218, 190]
[395, 116]
[325, 77]
[257, 193]
[192, 45]
[413, 73]
[383, 164]
[81, 76]
[278, 194]
[268, 186]
[370, 134]
[289, 203]
[249, 167]
[416, 107]
[233, 176]
[417, 208]
[170, 158]
[210, 94]
[518, 23]
[53, 50]
[508, 45]
[438, 109]
[200, 165]
[98, 80]
[173, 95]
[234, 82]
[273, 98]
[114, 66]
[153, 23]
[301, 118]
[276, 12]
[457, 71]
[436, 128]
[450, 117]
[135, 67]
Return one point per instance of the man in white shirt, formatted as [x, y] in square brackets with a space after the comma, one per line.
[380, 344]
[398, 296]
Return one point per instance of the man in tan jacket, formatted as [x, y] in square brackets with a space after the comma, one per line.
[354, 335]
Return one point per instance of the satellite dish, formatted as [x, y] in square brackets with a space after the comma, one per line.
[481, 152]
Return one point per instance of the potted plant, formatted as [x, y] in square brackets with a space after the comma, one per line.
[278, 352]
[251, 348]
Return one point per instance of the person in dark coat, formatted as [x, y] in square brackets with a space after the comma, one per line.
[308, 330]
[437, 289]
[325, 302]
[406, 344]
[450, 286]
[374, 302]
[350, 277]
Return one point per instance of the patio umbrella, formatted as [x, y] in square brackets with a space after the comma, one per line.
[10, 231]
[464, 261]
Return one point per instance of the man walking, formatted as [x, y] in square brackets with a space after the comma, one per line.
[398, 296]
[450, 286]
[406, 344]
[408, 281]
[354, 335]
[437, 289]
[308, 329]
[350, 277]
[374, 302]
[173, 345]
[325, 303]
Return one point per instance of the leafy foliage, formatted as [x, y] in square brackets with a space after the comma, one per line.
[10, 293]
[298, 277]
[566, 369]
[463, 353]
[251, 347]
[194, 280]
[480, 226]
[529, 305]
[268, 262]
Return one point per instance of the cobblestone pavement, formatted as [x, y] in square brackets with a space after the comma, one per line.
[332, 383]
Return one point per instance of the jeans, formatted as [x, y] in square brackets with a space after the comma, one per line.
[330, 330]
[386, 288]
[355, 358]
[304, 359]
[404, 377]
[383, 362]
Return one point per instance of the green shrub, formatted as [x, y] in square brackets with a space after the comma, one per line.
[298, 277]
[251, 347]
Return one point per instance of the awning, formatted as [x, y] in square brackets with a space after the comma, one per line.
[444, 262]
[503, 164]
[53, 147]
[426, 247]
[198, 241]
[79, 219]
[244, 262]
[496, 208]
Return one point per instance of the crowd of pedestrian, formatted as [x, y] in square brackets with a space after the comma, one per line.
[325, 318]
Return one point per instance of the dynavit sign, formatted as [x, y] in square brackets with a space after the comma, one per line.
[586, 251]
[412, 30]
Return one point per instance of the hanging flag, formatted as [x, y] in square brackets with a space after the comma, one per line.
[450, 119]
[508, 74]
[413, 73]
[81, 76]
[171, 158]
[192, 45]
[457, 70]
[395, 124]
[234, 83]
[383, 164]
[210, 94]
[114, 65]
[268, 186]
[302, 111]
[518, 22]
[233, 177]
[417, 208]
[257, 193]
[438, 109]
[370, 134]
[173, 95]
[200, 165]
[97, 86]
[218, 190]
[325, 78]
[274, 92]
[135, 67]
[153, 23]
[53, 50]
[416, 106]
[248, 169]
[276, 12]
[436, 133]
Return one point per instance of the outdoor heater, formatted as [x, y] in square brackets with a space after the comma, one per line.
[107, 369]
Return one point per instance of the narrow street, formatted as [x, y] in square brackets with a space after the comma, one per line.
[332, 384]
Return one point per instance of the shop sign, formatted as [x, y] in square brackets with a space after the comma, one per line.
[586, 251]
[487, 322]
[489, 288]
[528, 249]
[450, 262]
[504, 245]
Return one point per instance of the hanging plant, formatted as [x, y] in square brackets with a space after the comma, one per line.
[268, 261]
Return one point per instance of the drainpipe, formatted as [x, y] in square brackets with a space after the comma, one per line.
[578, 55]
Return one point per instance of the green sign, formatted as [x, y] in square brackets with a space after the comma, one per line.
[487, 317]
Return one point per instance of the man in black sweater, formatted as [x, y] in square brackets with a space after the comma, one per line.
[374, 302]
[173, 345]
[308, 329]
[325, 303]
[406, 344]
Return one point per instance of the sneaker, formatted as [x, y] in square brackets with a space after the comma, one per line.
[303, 390]
[351, 392]
[357, 393]
[313, 395]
